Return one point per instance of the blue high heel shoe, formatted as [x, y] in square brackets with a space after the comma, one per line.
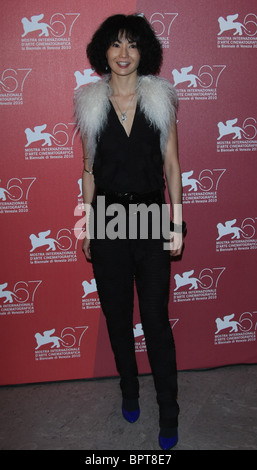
[167, 443]
[130, 416]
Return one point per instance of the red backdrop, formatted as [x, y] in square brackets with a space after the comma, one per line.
[51, 324]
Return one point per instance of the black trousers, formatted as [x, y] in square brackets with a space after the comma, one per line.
[117, 265]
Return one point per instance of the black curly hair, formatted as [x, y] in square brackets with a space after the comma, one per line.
[136, 29]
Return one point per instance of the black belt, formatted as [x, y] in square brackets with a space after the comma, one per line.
[112, 197]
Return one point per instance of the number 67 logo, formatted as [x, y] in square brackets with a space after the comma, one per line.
[162, 22]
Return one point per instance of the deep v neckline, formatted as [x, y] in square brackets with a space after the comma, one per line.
[120, 123]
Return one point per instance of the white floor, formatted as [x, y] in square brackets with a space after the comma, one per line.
[218, 412]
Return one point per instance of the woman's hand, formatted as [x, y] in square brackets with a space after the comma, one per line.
[86, 248]
[176, 243]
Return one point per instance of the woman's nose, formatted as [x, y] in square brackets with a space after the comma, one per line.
[124, 50]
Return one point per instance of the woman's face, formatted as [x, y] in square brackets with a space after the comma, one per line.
[123, 57]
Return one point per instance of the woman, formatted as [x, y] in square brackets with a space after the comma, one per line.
[128, 128]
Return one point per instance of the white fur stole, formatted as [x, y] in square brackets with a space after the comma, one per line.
[157, 99]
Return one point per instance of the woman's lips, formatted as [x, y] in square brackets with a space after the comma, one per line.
[123, 64]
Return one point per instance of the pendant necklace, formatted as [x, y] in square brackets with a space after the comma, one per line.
[123, 116]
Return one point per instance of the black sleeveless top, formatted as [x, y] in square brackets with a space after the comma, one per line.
[129, 164]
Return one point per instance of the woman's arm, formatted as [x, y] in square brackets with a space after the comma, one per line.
[174, 183]
[88, 191]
